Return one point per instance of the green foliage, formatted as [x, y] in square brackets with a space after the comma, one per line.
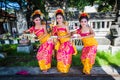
[80, 4]
[102, 59]
[54, 62]
[76, 59]
[105, 58]
[104, 5]
[10, 48]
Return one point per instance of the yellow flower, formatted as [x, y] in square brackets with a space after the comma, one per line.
[37, 12]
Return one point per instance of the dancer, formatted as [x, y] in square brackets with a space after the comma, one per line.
[86, 34]
[44, 54]
[64, 46]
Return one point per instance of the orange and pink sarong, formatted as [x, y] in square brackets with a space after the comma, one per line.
[88, 52]
[44, 54]
[65, 49]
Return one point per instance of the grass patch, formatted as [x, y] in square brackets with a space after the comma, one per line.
[29, 63]
[17, 59]
[26, 60]
[22, 59]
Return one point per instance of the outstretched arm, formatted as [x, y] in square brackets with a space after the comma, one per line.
[26, 31]
[29, 30]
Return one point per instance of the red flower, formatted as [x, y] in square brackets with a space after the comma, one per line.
[84, 14]
[59, 11]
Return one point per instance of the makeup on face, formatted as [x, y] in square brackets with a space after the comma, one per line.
[59, 18]
[37, 19]
[83, 22]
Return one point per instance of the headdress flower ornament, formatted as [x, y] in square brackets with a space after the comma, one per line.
[84, 15]
[37, 12]
[59, 11]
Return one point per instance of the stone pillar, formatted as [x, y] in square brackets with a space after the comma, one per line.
[118, 7]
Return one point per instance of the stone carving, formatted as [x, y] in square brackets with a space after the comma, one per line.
[117, 41]
[114, 30]
[21, 22]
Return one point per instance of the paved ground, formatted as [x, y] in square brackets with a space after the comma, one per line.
[97, 73]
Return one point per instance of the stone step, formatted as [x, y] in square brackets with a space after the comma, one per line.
[75, 73]
[56, 77]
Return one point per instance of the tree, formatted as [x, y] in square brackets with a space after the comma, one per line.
[104, 5]
[80, 4]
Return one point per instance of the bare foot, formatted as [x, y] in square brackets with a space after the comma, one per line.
[86, 72]
[44, 71]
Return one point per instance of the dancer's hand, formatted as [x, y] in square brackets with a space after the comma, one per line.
[80, 37]
[51, 40]
[76, 36]
[24, 32]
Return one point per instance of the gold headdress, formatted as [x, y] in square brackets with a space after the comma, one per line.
[37, 12]
[59, 11]
[84, 15]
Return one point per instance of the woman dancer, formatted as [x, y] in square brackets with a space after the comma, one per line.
[90, 44]
[64, 47]
[44, 54]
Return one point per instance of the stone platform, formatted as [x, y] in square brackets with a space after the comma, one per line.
[75, 73]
